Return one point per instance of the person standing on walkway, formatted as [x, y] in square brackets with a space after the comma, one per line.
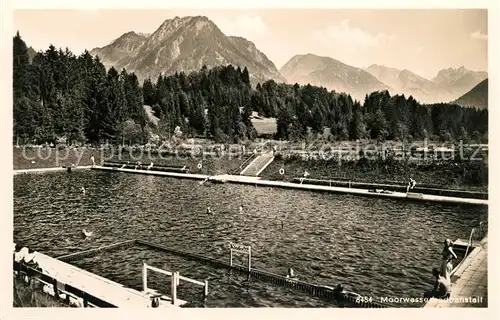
[447, 262]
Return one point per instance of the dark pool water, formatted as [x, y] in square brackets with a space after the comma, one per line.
[376, 247]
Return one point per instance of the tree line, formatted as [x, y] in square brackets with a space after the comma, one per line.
[61, 96]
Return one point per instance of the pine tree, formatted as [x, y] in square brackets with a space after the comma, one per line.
[58, 96]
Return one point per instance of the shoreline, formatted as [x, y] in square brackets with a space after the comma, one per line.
[467, 176]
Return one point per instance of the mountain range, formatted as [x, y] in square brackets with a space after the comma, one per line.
[185, 44]
[331, 74]
[446, 86]
[188, 43]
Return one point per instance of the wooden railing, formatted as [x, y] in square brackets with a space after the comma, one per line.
[175, 277]
[240, 168]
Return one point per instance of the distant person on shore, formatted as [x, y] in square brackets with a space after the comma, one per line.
[30, 261]
[447, 262]
[92, 159]
[411, 185]
[18, 257]
[441, 288]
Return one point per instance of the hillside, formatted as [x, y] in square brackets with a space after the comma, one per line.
[332, 74]
[477, 97]
[185, 44]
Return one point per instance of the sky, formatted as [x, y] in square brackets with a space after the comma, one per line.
[422, 41]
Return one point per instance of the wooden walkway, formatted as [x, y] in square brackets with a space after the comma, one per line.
[100, 287]
[282, 184]
[356, 191]
[469, 282]
[155, 173]
[41, 170]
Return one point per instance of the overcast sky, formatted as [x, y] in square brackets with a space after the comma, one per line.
[423, 41]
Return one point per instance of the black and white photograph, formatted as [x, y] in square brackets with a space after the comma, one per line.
[285, 157]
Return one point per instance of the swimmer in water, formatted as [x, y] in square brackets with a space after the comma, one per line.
[241, 209]
[87, 233]
[291, 274]
[209, 211]
[83, 190]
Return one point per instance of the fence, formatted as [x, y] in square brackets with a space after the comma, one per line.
[314, 290]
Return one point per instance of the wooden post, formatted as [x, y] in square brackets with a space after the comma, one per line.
[85, 300]
[231, 255]
[206, 290]
[249, 258]
[349, 183]
[56, 290]
[174, 287]
[144, 277]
